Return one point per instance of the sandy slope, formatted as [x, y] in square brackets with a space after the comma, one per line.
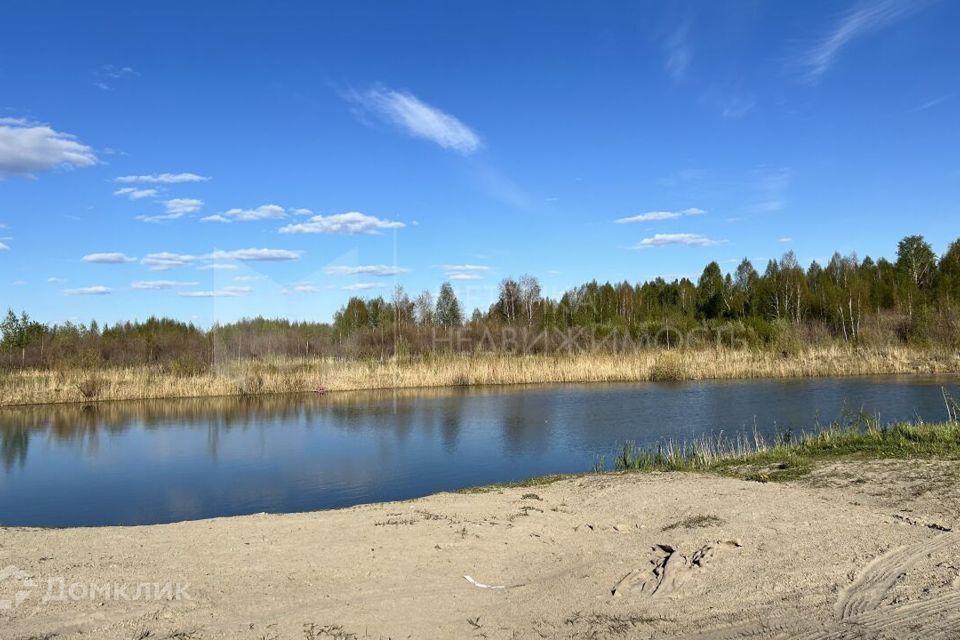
[859, 551]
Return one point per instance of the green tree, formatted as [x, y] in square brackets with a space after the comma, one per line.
[448, 313]
[712, 301]
[916, 259]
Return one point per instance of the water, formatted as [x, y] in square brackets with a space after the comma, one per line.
[164, 461]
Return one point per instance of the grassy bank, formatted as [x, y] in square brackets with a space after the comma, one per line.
[791, 456]
[293, 375]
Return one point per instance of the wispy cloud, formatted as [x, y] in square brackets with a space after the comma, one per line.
[161, 284]
[679, 50]
[418, 118]
[110, 257]
[4, 247]
[860, 20]
[929, 104]
[162, 178]
[136, 194]
[365, 270]
[464, 271]
[686, 239]
[218, 266]
[109, 72]
[350, 223]
[256, 255]
[785, 240]
[176, 208]
[225, 292]
[167, 260]
[28, 147]
[363, 286]
[656, 216]
[98, 290]
[56, 280]
[306, 287]
[263, 212]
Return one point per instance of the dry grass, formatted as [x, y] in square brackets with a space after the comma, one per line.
[304, 375]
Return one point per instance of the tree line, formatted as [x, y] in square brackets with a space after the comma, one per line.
[913, 299]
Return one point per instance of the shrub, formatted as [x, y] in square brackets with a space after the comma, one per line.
[667, 369]
[90, 388]
[251, 384]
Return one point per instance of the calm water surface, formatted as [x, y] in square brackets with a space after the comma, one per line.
[163, 461]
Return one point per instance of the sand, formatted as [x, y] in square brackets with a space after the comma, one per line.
[858, 550]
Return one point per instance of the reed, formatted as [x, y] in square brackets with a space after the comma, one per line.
[788, 456]
[297, 375]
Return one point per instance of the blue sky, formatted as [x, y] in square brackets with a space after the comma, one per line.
[218, 160]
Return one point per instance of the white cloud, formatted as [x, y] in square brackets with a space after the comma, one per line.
[464, 267]
[266, 255]
[163, 178]
[28, 147]
[785, 240]
[687, 239]
[136, 194]
[858, 21]
[4, 247]
[654, 216]
[108, 258]
[307, 288]
[166, 260]
[263, 212]
[56, 280]
[419, 119]
[98, 290]
[366, 270]
[464, 271]
[226, 292]
[176, 208]
[217, 266]
[246, 278]
[363, 286]
[349, 223]
[161, 284]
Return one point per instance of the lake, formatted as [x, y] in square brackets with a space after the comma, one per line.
[164, 461]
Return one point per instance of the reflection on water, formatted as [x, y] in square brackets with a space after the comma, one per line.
[161, 461]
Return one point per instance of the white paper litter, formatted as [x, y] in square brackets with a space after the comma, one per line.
[480, 585]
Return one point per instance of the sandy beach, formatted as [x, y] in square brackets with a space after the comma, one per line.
[856, 550]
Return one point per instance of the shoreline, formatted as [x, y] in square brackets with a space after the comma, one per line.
[570, 559]
[289, 376]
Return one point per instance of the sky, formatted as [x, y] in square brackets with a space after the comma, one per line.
[212, 161]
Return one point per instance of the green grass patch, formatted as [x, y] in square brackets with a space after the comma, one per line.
[789, 457]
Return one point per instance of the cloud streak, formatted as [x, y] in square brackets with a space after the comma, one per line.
[656, 216]
[419, 119]
[263, 212]
[136, 194]
[350, 223]
[381, 270]
[162, 178]
[226, 292]
[110, 257]
[98, 290]
[161, 284]
[861, 20]
[684, 239]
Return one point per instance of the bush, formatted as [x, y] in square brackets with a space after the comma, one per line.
[251, 384]
[667, 369]
[90, 388]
